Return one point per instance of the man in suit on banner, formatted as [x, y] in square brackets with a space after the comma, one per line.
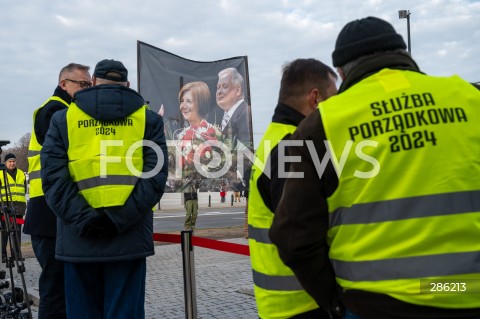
[230, 98]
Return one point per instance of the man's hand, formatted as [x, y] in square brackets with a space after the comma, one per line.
[99, 227]
[161, 111]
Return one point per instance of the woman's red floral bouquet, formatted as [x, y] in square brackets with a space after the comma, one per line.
[197, 139]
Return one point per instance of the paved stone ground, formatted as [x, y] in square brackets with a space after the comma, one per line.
[224, 287]
[221, 279]
[223, 284]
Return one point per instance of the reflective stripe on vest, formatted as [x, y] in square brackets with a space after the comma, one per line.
[105, 157]
[108, 180]
[409, 267]
[279, 283]
[34, 149]
[16, 187]
[277, 291]
[406, 208]
[259, 234]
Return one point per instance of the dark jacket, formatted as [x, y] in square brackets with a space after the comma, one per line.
[40, 219]
[300, 224]
[238, 128]
[191, 192]
[271, 188]
[133, 221]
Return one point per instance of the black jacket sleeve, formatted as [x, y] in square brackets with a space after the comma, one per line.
[300, 225]
[271, 187]
[43, 117]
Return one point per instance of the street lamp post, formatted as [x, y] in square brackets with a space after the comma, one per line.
[405, 14]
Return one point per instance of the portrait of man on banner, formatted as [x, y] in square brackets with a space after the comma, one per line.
[206, 110]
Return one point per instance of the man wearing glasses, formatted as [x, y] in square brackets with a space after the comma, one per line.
[40, 221]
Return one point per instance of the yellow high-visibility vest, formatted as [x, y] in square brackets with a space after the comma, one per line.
[17, 187]
[105, 158]
[277, 291]
[34, 149]
[405, 218]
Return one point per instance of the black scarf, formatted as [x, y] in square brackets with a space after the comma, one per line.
[377, 62]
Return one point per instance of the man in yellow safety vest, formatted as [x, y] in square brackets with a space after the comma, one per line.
[14, 186]
[104, 167]
[305, 83]
[388, 194]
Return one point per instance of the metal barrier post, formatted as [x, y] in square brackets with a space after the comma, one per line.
[189, 275]
[232, 201]
[209, 200]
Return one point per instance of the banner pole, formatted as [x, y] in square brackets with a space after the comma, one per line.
[189, 275]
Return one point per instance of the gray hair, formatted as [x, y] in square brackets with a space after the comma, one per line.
[72, 67]
[235, 77]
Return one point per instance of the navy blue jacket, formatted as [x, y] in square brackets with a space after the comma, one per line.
[134, 220]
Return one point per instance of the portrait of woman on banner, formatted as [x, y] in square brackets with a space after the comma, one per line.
[199, 136]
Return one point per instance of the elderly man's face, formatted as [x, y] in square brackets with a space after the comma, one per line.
[227, 93]
[11, 164]
[75, 81]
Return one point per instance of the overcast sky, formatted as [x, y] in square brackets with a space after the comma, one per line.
[38, 38]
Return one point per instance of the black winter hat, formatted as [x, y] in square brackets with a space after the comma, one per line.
[106, 66]
[9, 156]
[364, 37]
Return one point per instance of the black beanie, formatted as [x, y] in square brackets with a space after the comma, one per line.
[364, 37]
[9, 156]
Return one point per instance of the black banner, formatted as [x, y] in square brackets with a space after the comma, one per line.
[206, 109]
